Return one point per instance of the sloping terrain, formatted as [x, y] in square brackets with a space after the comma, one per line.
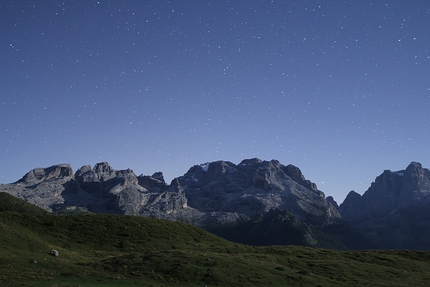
[395, 210]
[210, 195]
[255, 202]
[114, 250]
[11, 203]
[280, 227]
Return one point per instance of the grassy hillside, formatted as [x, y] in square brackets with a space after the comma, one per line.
[108, 250]
[11, 203]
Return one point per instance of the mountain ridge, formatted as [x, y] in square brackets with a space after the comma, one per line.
[395, 209]
[221, 195]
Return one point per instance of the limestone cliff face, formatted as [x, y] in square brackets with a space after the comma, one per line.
[43, 187]
[390, 192]
[395, 209]
[212, 193]
[254, 194]
[255, 186]
[415, 186]
[100, 189]
[114, 191]
[38, 175]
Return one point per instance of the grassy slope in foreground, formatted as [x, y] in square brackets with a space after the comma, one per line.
[108, 250]
[11, 203]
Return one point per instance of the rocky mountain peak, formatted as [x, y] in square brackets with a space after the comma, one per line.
[394, 211]
[352, 195]
[158, 176]
[38, 175]
[414, 166]
[208, 172]
[353, 208]
[296, 174]
[100, 189]
[151, 182]
[215, 170]
[84, 169]
[254, 186]
[394, 202]
[102, 167]
[101, 172]
[415, 173]
[251, 161]
[389, 191]
[333, 202]
[415, 184]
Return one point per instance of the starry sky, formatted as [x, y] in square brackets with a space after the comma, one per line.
[340, 89]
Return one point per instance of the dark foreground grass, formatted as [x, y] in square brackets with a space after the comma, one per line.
[109, 250]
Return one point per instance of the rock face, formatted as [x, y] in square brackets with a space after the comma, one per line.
[252, 187]
[395, 210]
[100, 189]
[254, 202]
[43, 187]
[210, 194]
[39, 175]
[281, 227]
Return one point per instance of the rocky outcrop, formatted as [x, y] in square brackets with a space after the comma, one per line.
[255, 186]
[170, 204]
[395, 210]
[281, 227]
[38, 175]
[255, 199]
[43, 187]
[100, 189]
[209, 194]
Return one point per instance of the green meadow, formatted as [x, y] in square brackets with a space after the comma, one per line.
[112, 250]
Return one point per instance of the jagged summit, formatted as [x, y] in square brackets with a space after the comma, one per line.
[222, 188]
[394, 203]
[394, 212]
[250, 161]
[255, 186]
[100, 189]
[38, 175]
[390, 191]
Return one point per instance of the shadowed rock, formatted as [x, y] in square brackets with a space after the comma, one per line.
[395, 210]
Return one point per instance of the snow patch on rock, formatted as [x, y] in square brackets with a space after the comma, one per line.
[205, 167]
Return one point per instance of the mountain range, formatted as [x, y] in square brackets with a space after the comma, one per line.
[255, 202]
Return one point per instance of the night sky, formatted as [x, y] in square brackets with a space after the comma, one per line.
[340, 89]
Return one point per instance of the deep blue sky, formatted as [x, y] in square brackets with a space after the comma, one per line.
[340, 89]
